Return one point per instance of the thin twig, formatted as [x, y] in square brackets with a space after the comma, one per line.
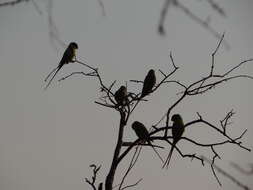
[244, 171]
[132, 184]
[11, 3]
[217, 7]
[131, 165]
[94, 177]
[226, 174]
[101, 4]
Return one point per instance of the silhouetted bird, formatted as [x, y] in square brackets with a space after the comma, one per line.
[141, 131]
[121, 95]
[149, 83]
[67, 57]
[177, 132]
[143, 134]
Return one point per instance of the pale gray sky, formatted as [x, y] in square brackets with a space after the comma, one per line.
[49, 138]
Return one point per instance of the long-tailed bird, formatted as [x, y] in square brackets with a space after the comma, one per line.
[143, 134]
[177, 132]
[149, 83]
[68, 56]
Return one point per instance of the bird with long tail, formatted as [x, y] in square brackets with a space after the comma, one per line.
[177, 132]
[143, 134]
[68, 57]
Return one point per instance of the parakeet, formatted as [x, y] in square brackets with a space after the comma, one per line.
[141, 131]
[67, 57]
[149, 83]
[121, 95]
[177, 132]
[143, 134]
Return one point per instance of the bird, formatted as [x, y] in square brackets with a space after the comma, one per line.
[68, 57]
[149, 83]
[141, 131]
[177, 132]
[121, 95]
[143, 134]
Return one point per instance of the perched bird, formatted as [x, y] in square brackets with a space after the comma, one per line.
[177, 132]
[141, 131]
[121, 95]
[68, 56]
[149, 83]
[143, 134]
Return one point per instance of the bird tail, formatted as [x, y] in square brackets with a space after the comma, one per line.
[156, 152]
[50, 73]
[58, 68]
[135, 105]
[168, 157]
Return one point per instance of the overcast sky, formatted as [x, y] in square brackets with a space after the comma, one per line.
[49, 138]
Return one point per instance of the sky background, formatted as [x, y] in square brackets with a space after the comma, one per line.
[49, 138]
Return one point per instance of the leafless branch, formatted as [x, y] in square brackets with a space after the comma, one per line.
[11, 3]
[165, 77]
[131, 165]
[54, 34]
[192, 156]
[203, 85]
[242, 170]
[217, 7]
[132, 184]
[94, 73]
[160, 134]
[195, 88]
[37, 8]
[226, 174]
[163, 14]
[101, 4]
[91, 182]
[140, 144]
[225, 122]
[205, 24]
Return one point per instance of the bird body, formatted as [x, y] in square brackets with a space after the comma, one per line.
[69, 54]
[121, 95]
[141, 131]
[177, 132]
[143, 134]
[149, 83]
[67, 57]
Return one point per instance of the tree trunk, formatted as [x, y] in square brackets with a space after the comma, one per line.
[110, 177]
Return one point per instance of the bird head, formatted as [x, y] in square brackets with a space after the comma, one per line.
[152, 71]
[123, 89]
[136, 124]
[176, 117]
[73, 45]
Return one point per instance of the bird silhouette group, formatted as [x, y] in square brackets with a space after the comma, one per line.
[121, 98]
[177, 132]
[139, 128]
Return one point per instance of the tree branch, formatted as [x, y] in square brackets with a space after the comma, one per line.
[94, 177]
[226, 174]
[11, 3]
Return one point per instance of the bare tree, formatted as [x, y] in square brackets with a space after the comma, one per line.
[130, 100]
[126, 104]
